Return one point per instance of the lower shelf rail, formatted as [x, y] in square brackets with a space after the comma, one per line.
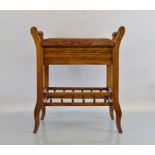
[84, 94]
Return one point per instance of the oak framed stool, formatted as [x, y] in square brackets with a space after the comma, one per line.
[77, 51]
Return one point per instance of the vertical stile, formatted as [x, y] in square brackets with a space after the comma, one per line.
[106, 99]
[94, 100]
[72, 99]
[54, 90]
[61, 100]
[83, 100]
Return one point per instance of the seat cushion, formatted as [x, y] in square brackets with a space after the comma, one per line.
[77, 42]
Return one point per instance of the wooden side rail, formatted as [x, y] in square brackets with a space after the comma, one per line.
[79, 88]
[101, 93]
[78, 95]
[80, 50]
[78, 104]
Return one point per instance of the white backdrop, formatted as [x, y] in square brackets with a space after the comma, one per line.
[18, 63]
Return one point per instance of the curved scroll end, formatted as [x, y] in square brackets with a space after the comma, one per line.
[41, 35]
[121, 32]
[117, 36]
[34, 30]
[35, 33]
[114, 34]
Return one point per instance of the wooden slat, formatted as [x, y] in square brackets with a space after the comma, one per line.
[78, 62]
[78, 104]
[82, 59]
[78, 88]
[74, 50]
[78, 53]
[78, 95]
[77, 56]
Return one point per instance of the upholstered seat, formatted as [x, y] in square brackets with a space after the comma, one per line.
[71, 42]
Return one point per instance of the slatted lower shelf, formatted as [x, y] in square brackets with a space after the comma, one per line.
[93, 94]
[78, 104]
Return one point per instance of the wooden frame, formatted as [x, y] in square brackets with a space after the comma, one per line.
[108, 56]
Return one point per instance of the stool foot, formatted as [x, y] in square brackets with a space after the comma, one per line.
[36, 118]
[43, 112]
[111, 111]
[118, 117]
